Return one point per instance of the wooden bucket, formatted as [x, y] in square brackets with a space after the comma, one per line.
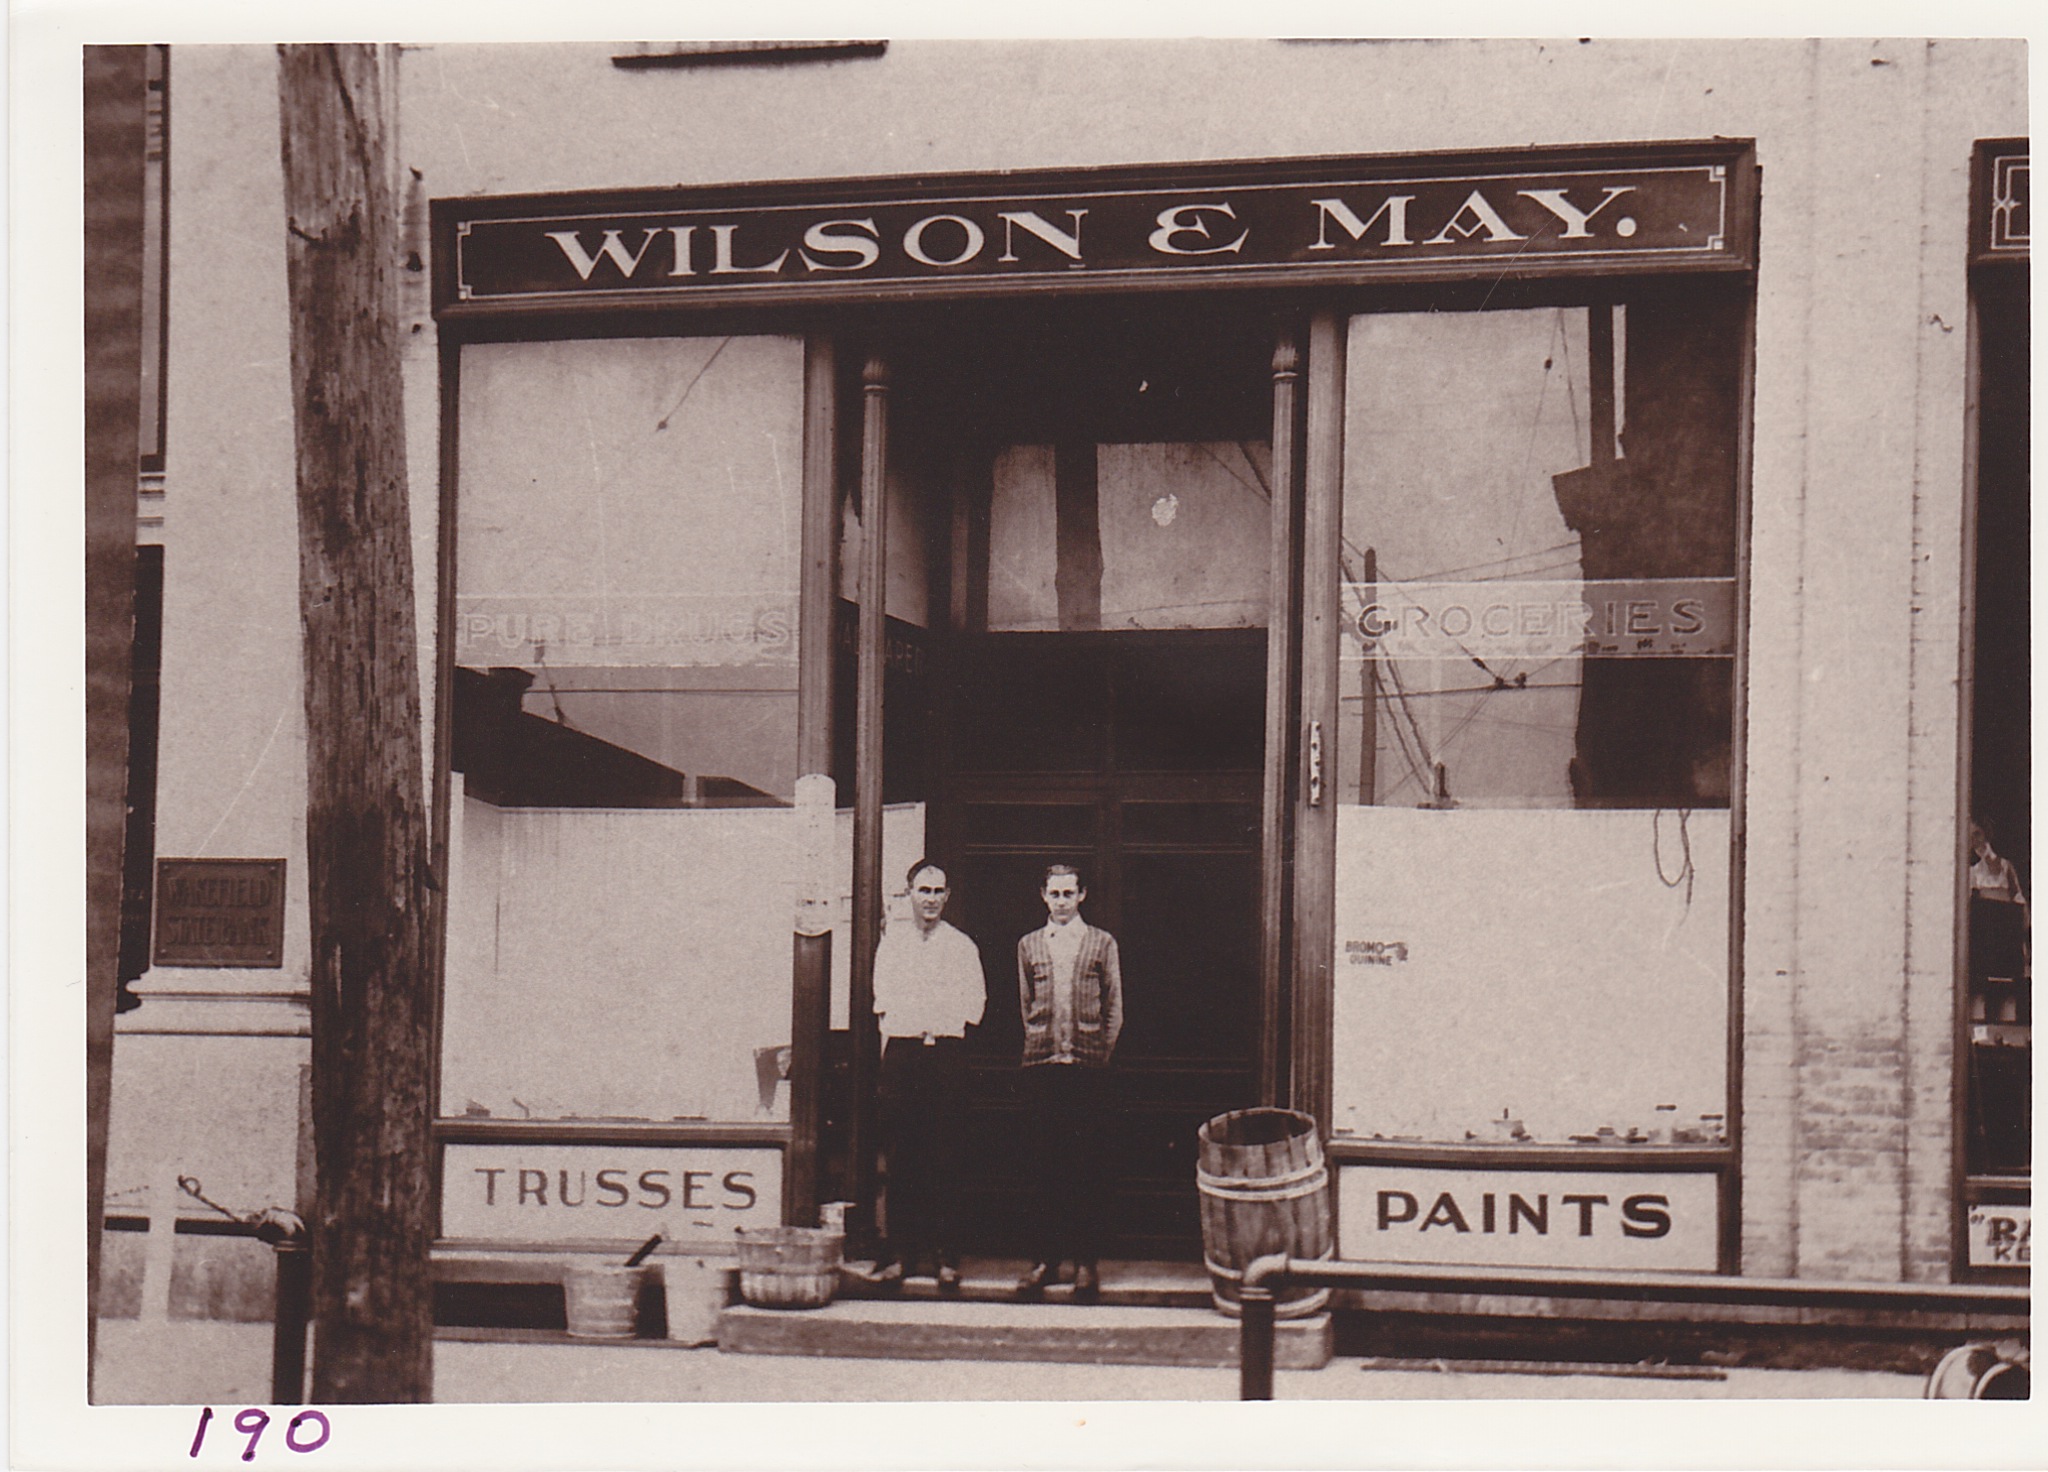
[789, 1267]
[697, 1289]
[1264, 1189]
[601, 1300]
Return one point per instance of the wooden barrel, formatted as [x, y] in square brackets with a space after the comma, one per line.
[1264, 1189]
[789, 1267]
[1982, 1372]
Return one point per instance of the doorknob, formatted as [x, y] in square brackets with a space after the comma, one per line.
[1315, 764]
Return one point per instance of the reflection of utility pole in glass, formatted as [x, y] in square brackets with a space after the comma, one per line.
[1369, 680]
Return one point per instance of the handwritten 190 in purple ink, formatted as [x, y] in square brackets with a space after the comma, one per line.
[252, 1421]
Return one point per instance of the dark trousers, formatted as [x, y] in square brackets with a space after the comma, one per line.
[1069, 1123]
[924, 1101]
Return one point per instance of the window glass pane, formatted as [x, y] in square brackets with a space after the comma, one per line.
[2000, 1001]
[1454, 428]
[627, 546]
[1179, 532]
[624, 726]
[1532, 756]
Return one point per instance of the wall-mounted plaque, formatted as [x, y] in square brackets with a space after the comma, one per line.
[219, 912]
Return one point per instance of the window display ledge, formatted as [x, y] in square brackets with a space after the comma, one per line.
[1536, 1157]
[2000, 1187]
[461, 1131]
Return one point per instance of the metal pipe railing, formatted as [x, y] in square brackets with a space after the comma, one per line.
[1266, 1274]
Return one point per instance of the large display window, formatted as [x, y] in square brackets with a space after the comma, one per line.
[623, 847]
[1536, 692]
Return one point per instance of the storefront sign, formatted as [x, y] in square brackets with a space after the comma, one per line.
[1665, 1221]
[219, 912]
[559, 1193]
[1306, 221]
[1616, 618]
[2000, 202]
[2001, 1236]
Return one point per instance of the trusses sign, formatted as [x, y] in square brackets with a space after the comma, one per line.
[1324, 221]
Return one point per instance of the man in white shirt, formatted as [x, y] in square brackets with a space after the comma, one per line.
[929, 989]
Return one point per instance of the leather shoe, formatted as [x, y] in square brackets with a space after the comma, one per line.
[1087, 1285]
[949, 1278]
[888, 1273]
[1032, 1284]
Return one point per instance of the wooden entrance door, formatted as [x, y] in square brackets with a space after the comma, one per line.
[1136, 757]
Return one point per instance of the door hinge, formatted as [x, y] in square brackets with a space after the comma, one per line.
[1315, 764]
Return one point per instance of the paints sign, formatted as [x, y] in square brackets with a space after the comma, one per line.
[1646, 1221]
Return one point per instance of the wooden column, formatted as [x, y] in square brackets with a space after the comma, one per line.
[366, 829]
[1282, 646]
[867, 771]
[1315, 842]
[810, 1005]
[115, 89]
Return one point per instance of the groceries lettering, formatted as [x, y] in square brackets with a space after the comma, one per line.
[1604, 618]
[1583, 1214]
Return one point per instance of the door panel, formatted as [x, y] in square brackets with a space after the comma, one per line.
[1190, 949]
[1147, 777]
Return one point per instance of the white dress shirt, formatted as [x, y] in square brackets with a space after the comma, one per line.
[927, 983]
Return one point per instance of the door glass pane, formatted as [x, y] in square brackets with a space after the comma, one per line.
[1532, 762]
[1192, 707]
[1028, 707]
[624, 726]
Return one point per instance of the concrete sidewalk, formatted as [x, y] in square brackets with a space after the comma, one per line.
[186, 1362]
[539, 1372]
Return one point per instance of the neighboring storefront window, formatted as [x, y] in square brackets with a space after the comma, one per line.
[624, 727]
[1999, 1002]
[1533, 756]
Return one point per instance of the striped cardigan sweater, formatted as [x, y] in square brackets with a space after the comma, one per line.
[1092, 1023]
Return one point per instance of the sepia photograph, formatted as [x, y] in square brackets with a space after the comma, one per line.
[1053, 720]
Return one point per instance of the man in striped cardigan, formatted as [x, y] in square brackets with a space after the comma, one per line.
[1070, 987]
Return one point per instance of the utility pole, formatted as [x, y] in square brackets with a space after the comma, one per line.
[366, 826]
